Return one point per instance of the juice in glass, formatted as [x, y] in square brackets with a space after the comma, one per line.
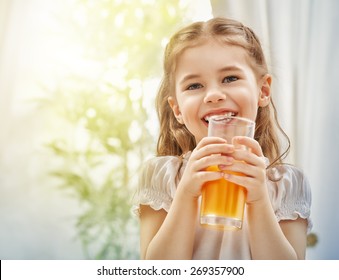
[223, 203]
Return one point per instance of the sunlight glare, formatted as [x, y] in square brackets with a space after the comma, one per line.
[136, 89]
[134, 132]
[91, 113]
[171, 11]
[149, 36]
[139, 13]
[119, 20]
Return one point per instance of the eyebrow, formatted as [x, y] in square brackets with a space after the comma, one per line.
[188, 77]
[224, 69]
[230, 68]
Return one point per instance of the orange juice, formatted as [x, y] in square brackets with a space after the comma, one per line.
[222, 202]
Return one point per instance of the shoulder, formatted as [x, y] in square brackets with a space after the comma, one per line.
[291, 195]
[158, 180]
[291, 180]
[160, 168]
[158, 172]
[162, 164]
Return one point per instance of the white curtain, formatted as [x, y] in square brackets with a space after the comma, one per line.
[301, 41]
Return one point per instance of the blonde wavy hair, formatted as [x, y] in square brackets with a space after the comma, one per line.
[174, 138]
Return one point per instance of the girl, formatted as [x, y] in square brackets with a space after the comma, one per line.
[213, 68]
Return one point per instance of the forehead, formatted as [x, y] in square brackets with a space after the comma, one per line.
[212, 53]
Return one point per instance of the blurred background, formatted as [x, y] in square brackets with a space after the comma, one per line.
[78, 80]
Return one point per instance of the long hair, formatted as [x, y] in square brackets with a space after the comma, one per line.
[174, 138]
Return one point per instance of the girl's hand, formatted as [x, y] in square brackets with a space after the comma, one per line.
[251, 163]
[209, 151]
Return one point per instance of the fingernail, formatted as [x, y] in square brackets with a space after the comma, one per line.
[222, 166]
[230, 160]
[226, 176]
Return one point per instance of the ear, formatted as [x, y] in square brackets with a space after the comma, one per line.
[175, 108]
[265, 91]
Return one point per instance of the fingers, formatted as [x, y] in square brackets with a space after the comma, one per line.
[216, 151]
[213, 145]
[248, 170]
[249, 143]
[204, 176]
[241, 162]
[248, 150]
[210, 140]
[248, 161]
[210, 162]
[255, 186]
[212, 151]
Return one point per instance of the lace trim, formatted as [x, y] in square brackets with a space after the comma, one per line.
[155, 199]
[295, 211]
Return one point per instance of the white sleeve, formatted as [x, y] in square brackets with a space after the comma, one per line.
[291, 196]
[157, 183]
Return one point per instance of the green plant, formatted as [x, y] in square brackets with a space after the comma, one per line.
[100, 109]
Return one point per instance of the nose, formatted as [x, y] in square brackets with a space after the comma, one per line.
[214, 95]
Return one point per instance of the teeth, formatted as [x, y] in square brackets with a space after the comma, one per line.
[229, 114]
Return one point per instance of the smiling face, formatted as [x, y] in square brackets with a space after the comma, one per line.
[214, 79]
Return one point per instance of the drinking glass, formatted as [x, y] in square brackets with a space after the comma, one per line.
[223, 202]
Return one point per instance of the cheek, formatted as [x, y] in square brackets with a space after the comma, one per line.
[187, 111]
[188, 103]
[249, 105]
[254, 110]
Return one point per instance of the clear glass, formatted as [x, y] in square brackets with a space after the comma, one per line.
[223, 202]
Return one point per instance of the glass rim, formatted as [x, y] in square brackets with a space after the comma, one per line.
[226, 117]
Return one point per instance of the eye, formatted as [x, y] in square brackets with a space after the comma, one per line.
[229, 79]
[194, 86]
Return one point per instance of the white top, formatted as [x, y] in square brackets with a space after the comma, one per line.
[290, 198]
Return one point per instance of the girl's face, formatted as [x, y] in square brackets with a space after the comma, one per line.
[214, 79]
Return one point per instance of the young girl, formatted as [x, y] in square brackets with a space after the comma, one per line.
[213, 68]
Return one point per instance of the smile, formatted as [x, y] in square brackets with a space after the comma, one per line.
[226, 114]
